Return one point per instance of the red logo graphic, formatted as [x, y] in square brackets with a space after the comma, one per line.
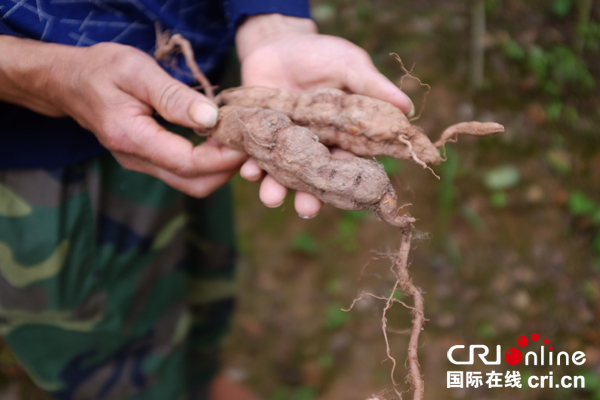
[513, 356]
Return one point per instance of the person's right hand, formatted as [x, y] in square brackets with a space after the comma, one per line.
[113, 91]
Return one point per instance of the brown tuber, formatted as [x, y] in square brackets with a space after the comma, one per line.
[362, 125]
[294, 156]
[286, 133]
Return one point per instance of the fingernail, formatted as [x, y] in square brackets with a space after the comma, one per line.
[411, 113]
[233, 154]
[308, 217]
[274, 206]
[204, 113]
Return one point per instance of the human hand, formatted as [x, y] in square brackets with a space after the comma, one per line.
[113, 91]
[288, 53]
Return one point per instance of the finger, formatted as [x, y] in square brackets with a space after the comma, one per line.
[174, 153]
[196, 187]
[172, 100]
[214, 157]
[210, 141]
[271, 192]
[212, 151]
[200, 186]
[250, 171]
[365, 79]
[307, 206]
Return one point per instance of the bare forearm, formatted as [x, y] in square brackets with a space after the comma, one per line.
[26, 69]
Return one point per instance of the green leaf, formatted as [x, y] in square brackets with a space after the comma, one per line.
[592, 380]
[391, 165]
[525, 377]
[559, 160]
[355, 215]
[398, 294]
[561, 8]
[553, 110]
[280, 394]
[347, 228]
[499, 199]
[447, 187]
[326, 361]
[364, 11]
[503, 177]
[588, 289]
[473, 217]
[581, 204]
[570, 115]
[305, 243]
[486, 331]
[334, 286]
[305, 393]
[538, 61]
[347, 234]
[569, 67]
[591, 33]
[513, 50]
[336, 317]
[596, 217]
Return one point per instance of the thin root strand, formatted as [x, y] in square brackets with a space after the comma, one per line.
[416, 159]
[167, 45]
[403, 282]
[409, 74]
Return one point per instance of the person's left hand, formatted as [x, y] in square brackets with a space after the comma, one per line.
[288, 53]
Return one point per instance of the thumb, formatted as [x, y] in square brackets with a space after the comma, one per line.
[378, 86]
[365, 79]
[172, 100]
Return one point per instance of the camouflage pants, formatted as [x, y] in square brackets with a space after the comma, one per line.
[112, 284]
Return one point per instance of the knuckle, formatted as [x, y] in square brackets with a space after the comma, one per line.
[169, 97]
[126, 58]
[117, 139]
[359, 58]
[184, 170]
[115, 62]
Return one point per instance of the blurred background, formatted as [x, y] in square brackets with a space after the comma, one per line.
[508, 240]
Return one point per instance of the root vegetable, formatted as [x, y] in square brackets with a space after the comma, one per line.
[362, 125]
[359, 124]
[295, 157]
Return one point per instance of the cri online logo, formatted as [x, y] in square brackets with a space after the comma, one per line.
[513, 356]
